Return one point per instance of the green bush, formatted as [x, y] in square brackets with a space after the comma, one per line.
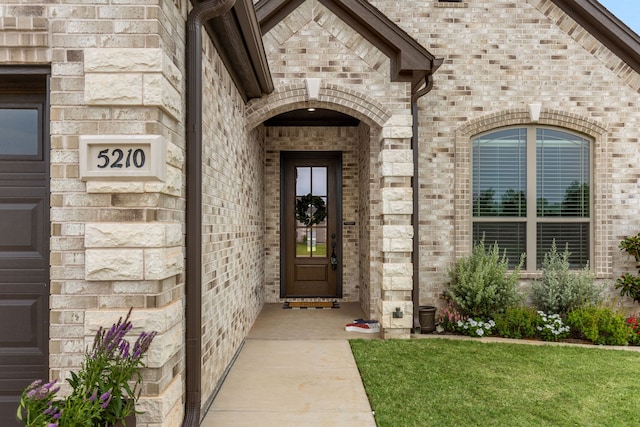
[517, 322]
[600, 325]
[481, 285]
[562, 289]
[629, 284]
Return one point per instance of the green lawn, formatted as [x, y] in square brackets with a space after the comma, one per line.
[442, 382]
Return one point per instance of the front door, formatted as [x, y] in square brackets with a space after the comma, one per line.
[310, 222]
[24, 239]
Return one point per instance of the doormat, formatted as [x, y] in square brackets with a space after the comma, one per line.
[311, 304]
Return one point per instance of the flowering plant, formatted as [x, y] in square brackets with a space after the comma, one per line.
[449, 317]
[475, 328]
[551, 327]
[102, 392]
[634, 324]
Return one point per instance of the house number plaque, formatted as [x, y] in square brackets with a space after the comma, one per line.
[122, 157]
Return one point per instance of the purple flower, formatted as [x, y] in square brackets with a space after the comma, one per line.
[105, 396]
[40, 392]
[34, 384]
[94, 395]
[124, 349]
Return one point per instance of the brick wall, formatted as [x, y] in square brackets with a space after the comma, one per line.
[498, 58]
[233, 222]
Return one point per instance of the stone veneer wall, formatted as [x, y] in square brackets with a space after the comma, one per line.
[369, 221]
[343, 139]
[494, 67]
[118, 69]
[233, 260]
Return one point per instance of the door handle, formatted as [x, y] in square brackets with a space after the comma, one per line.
[334, 258]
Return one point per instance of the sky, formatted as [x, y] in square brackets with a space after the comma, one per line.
[627, 10]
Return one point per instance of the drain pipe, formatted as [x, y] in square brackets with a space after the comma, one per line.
[415, 293]
[199, 15]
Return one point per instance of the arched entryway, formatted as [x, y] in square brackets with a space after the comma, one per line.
[363, 134]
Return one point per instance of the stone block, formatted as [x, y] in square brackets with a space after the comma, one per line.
[396, 156]
[123, 60]
[172, 185]
[397, 269]
[392, 207]
[397, 194]
[397, 231]
[113, 89]
[397, 245]
[158, 92]
[132, 235]
[402, 120]
[165, 346]
[149, 319]
[397, 283]
[163, 263]
[387, 308]
[115, 187]
[397, 132]
[114, 264]
[155, 409]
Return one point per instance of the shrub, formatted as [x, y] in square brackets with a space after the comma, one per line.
[551, 327]
[480, 284]
[634, 334]
[600, 325]
[629, 284]
[562, 289]
[517, 322]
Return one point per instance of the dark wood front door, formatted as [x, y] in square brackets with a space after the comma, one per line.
[24, 242]
[311, 243]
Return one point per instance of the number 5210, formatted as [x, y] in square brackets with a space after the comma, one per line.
[116, 158]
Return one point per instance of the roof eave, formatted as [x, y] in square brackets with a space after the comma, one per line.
[605, 27]
[238, 39]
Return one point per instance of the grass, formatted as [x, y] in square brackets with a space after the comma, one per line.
[442, 382]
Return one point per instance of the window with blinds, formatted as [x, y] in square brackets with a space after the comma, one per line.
[531, 187]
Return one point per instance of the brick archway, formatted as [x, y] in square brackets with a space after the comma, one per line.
[331, 96]
[594, 129]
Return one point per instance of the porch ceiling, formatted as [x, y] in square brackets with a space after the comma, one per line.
[318, 117]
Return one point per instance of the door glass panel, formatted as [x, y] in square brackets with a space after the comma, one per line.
[19, 132]
[311, 211]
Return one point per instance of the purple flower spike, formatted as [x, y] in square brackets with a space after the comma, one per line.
[34, 384]
[94, 395]
[105, 396]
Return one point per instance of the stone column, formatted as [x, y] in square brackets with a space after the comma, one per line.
[396, 165]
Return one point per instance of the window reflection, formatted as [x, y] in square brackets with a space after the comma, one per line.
[19, 132]
[311, 211]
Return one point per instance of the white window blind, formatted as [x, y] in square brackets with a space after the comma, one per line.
[531, 186]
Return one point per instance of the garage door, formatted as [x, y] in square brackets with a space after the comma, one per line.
[24, 236]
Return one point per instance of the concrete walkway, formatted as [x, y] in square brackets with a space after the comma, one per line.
[295, 369]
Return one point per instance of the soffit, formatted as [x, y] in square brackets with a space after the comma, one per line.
[238, 40]
[605, 27]
[410, 61]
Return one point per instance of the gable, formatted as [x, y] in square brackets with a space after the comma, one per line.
[605, 27]
[410, 61]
